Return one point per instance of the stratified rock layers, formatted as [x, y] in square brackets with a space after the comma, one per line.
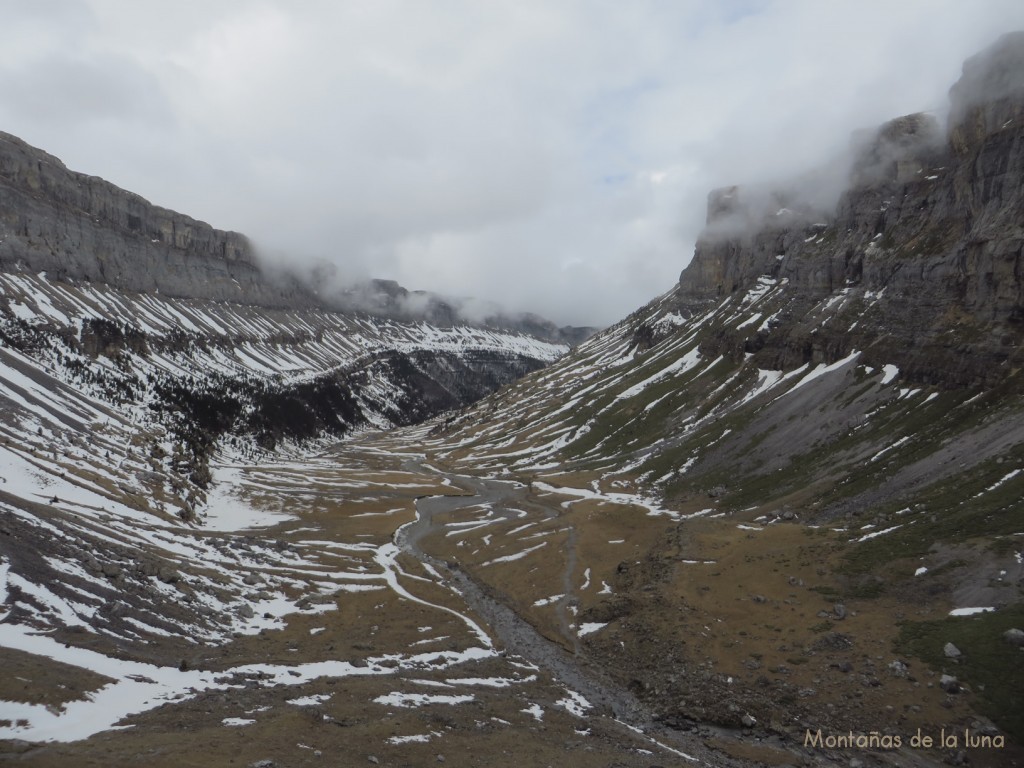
[930, 234]
[79, 227]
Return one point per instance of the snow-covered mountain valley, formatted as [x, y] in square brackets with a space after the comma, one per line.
[771, 518]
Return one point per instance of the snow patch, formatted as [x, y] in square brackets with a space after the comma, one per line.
[409, 700]
[574, 704]
[970, 611]
[236, 722]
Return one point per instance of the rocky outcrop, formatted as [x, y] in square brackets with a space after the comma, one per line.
[927, 237]
[79, 227]
[989, 92]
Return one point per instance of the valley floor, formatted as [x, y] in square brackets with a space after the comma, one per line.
[382, 610]
[346, 648]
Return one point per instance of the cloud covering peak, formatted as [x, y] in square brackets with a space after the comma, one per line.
[554, 157]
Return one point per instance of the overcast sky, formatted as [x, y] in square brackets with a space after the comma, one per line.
[551, 155]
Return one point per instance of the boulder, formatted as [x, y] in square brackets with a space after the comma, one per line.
[168, 575]
[898, 669]
[1014, 637]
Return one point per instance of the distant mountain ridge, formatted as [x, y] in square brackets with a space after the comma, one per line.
[389, 299]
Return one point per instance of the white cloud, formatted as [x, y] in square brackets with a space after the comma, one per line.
[555, 157]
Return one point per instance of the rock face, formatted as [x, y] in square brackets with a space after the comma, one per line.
[928, 234]
[79, 227]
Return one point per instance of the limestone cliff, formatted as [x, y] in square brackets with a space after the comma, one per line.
[928, 235]
[79, 227]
